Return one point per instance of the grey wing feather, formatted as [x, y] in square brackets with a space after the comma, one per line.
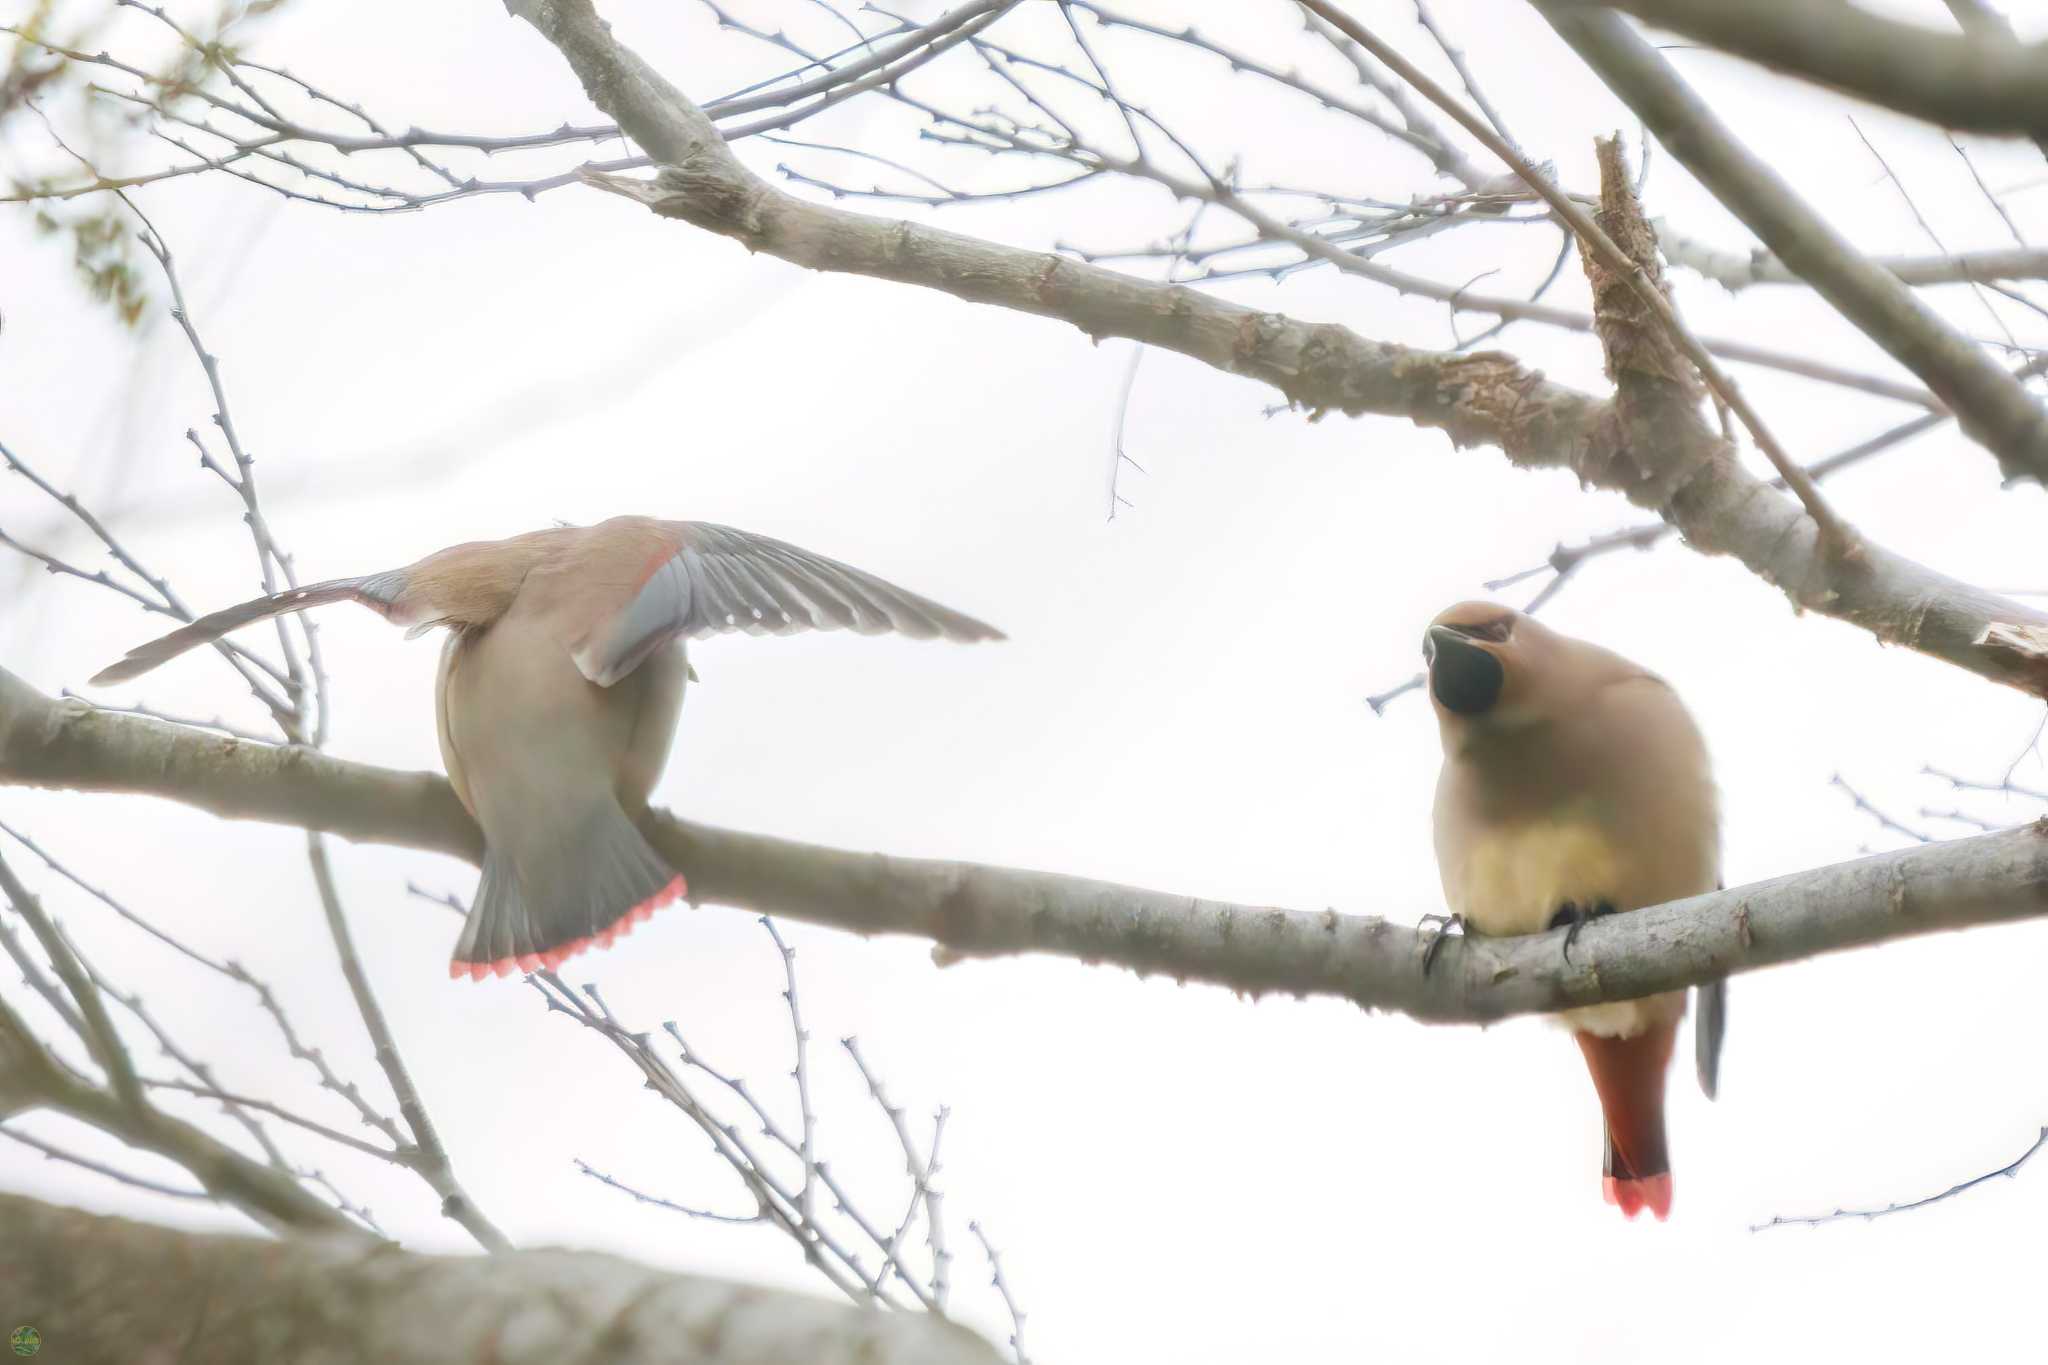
[725, 580]
[1708, 1028]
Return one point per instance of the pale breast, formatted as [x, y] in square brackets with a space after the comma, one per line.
[1512, 879]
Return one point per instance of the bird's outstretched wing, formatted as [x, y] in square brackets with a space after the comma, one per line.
[719, 579]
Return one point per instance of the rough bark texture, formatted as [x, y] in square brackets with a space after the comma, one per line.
[972, 910]
[1632, 338]
[106, 1291]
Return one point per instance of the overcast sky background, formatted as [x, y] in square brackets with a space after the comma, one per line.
[1172, 1173]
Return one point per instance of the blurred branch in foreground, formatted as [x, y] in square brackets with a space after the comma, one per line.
[107, 1290]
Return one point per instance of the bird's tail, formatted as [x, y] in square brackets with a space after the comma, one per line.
[593, 879]
[1629, 1074]
[207, 629]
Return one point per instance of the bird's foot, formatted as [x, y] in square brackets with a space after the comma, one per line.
[1444, 924]
[1572, 917]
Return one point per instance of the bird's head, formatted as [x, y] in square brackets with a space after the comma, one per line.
[1490, 667]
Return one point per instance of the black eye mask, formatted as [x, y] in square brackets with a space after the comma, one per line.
[1462, 676]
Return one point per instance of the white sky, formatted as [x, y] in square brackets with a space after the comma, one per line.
[1171, 1173]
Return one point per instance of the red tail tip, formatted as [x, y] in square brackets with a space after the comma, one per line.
[1633, 1196]
[554, 957]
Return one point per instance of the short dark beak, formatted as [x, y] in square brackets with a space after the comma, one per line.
[1464, 677]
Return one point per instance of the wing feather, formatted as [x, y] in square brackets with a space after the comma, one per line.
[721, 580]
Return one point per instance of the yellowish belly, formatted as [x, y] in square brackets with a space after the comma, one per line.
[1514, 879]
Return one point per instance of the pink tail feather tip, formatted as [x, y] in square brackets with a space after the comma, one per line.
[1633, 1196]
[554, 957]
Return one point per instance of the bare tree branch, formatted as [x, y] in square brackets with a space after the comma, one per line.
[426, 1154]
[1980, 18]
[2007, 786]
[1738, 270]
[1884, 821]
[970, 910]
[2011, 1168]
[102, 1290]
[98, 1031]
[1481, 200]
[794, 1188]
[30, 1078]
[1615, 271]
[1565, 561]
[52, 1152]
[1976, 82]
[1990, 406]
[1002, 1286]
[1480, 398]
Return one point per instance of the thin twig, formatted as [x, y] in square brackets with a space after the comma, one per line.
[641, 1196]
[2006, 785]
[209, 1091]
[432, 1162]
[800, 1073]
[2011, 1168]
[1863, 804]
[99, 1033]
[1002, 1285]
[55, 1153]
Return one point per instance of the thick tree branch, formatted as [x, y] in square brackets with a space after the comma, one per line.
[1674, 464]
[106, 1290]
[1991, 408]
[1977, 82]
[971, 910]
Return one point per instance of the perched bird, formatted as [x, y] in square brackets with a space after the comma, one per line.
[1576, 785]
[559, 690]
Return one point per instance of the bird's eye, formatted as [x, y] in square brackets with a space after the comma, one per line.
[1495, 631]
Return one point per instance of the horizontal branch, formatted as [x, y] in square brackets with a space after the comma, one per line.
[972, 910]
[1978, 82]
[1738, 270]
[106, 1289]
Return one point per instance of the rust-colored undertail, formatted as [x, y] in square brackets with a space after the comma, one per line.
[1629, 1074]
